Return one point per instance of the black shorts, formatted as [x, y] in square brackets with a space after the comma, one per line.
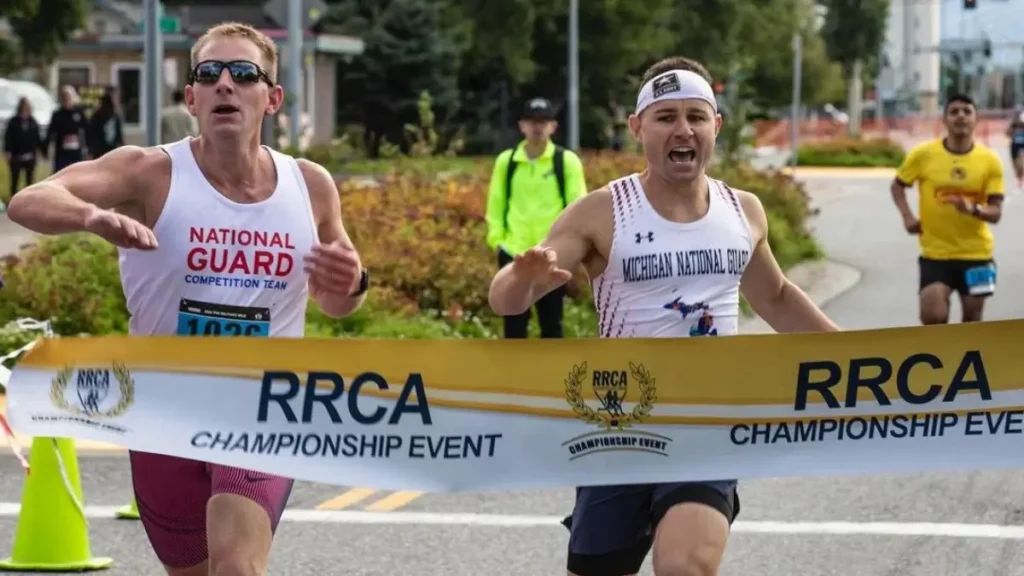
[966, 277]
[612, 528]
[1016, 149]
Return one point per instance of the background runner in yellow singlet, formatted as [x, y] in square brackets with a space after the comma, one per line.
[960, 188]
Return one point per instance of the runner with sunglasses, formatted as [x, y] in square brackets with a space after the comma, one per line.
[217, 236]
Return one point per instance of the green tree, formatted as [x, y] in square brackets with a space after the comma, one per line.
[497, 33]
[39, 28]
[499, 57]
[616, 41]
[746, 45]
[409, 49]
[854, 31]
[822, 79]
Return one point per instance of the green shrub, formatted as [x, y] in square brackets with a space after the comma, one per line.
[71, 280]
[381, 316]
[13, 338]
[853, 153]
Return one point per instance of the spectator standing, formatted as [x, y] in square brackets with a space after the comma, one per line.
[531, 184]
[1016, 133]
[22, 143]
[105, 128]
[66, 132]
[176, 122]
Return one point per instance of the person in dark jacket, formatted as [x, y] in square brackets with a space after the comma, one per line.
[66, 132]
[104, 130]
[22, 143]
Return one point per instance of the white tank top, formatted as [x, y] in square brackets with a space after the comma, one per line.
[222, 268]
[669, 279]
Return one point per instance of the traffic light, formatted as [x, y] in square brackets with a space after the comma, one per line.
[970, 4]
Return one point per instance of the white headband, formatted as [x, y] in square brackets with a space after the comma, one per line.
[675, 85]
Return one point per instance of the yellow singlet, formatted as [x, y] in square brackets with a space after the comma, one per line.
[947, 234]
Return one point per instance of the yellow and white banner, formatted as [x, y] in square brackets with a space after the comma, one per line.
[447, 415]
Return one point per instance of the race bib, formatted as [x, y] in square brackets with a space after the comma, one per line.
[1018, 137]
[205, 319]
[70, 142]
[981, 279]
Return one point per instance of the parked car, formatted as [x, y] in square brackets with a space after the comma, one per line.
[43, 103]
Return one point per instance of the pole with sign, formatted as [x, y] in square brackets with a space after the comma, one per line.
[153, 75]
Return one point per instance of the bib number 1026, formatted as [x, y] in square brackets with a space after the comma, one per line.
[206, 319]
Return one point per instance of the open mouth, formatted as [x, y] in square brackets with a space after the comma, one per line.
[682, 154]
[224, 109]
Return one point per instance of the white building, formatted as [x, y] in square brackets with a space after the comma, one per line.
[910, 77]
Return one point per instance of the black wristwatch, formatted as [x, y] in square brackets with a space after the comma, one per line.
[364, 284]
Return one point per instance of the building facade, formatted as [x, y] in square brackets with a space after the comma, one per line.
[910, 76]
[109, 51]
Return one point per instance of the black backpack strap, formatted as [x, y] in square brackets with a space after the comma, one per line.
[559, 162]
[509, 170]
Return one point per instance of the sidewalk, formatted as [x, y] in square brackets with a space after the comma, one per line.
[13, 236]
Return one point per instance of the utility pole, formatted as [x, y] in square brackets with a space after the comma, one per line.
[295, 38]
[794, 124]
[574, 75]
[908, 56]
[878, 87]
[153, 75]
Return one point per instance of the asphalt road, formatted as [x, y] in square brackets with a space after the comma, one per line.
[907, 525]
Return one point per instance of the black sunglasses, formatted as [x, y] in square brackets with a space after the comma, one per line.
[242, 72]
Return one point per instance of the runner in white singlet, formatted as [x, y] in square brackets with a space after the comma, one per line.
[220, 236]
[668, 252]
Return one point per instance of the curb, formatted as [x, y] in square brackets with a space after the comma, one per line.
[822, 280]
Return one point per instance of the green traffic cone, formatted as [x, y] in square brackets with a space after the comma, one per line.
[129, 512]
[52, 533]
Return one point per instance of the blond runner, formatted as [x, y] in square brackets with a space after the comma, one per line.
[218, 236]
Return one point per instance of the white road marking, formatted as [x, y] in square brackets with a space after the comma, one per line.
[942, 530]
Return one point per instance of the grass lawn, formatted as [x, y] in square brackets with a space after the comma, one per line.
[42, 171]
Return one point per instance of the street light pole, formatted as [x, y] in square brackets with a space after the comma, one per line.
[153, 75]
[794, 122]
[294, 69]
[574, 75]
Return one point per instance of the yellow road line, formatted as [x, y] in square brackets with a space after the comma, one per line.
[346, 499]
[394, 501]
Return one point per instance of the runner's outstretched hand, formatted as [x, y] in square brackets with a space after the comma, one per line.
[538, 266]
[120, 230]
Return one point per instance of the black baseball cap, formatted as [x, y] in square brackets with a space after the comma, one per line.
[538, 109]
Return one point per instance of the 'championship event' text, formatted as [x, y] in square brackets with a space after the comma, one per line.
[322, 393]
[878, 379]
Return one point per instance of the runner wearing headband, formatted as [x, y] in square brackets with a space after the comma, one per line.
[715, 239]
[217, 236]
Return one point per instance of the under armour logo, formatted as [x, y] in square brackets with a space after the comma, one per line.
[640, 237]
